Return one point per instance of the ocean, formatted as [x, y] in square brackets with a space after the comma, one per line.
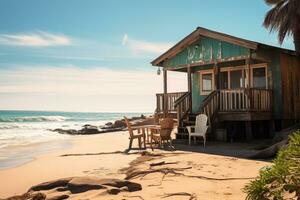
[24, 134]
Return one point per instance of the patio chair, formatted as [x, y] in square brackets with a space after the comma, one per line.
[163, 136]
[199, 130]
[132, 135]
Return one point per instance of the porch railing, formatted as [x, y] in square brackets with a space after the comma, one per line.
[236, 100]
[250, 99]
[225, 100]
[170, 101]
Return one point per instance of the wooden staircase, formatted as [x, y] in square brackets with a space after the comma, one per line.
[208, 107]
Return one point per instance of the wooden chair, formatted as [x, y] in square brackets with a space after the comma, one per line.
[164, 134]
[132, 135]
[200, 128]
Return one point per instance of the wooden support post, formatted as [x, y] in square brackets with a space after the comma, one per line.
[248, 72]
[165, 101]
[249, 135]
[217, 82]
[217, 77]
[189, 76]
[271, 128]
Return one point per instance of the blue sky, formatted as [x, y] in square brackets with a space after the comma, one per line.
[43, 43]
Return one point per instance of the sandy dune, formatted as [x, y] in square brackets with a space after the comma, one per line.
[187, 173]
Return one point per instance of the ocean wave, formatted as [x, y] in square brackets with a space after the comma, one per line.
[35, 119]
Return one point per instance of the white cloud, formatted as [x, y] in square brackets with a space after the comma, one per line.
[141, 46]
[89, 89]
[37, 39]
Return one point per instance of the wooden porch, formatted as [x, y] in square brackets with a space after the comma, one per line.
[243, 104]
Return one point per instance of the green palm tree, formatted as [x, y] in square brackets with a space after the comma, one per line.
[284, 17]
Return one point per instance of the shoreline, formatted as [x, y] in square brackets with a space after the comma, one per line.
[100, 157]
[16, 154]
[22, 154]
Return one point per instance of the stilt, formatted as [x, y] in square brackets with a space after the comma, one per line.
[140, 144]
[271, 128]
[249, 135]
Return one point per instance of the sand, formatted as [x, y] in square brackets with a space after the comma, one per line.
[193, 170]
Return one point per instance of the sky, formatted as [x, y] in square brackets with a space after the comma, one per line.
[94, 55]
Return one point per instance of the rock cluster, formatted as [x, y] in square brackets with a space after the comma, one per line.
[64, 188]
[118, 125]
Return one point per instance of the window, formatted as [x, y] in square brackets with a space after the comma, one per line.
[224, 80]
[236, 79]
[259, 77]
[206, 82]
[232, 77]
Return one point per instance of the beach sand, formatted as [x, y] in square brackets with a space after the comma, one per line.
[189, 170]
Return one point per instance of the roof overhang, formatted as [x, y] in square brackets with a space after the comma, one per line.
[202, 32]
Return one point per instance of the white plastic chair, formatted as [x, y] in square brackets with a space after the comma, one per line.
[200, 128]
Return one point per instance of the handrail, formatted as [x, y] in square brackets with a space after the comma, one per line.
[210, 106]
[181, 98]
[207, 99]
[182, 105]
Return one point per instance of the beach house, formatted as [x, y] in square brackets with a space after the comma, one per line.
[244, 87]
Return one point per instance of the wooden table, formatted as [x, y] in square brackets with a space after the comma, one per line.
[145, 130]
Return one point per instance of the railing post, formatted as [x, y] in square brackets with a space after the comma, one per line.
[165, 99]
[189, 75]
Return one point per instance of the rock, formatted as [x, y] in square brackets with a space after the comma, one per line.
[50, 185]
[29, 196]
[109, 124]
[89, 130]
[113, 191]
[83, 184]
[86, 125]
[66, 131]
[59, 197]
[77, 185]
[119, 124]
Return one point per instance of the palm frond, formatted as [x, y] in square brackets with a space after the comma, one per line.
[273, 2]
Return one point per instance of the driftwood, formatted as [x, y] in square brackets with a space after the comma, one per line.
[192, 196]
[166, 170]
[135, 196]
[162, 163]
[177, 172]
[93, 154]
[270, 151]
[279, 141]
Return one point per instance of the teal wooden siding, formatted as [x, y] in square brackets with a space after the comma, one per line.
[207, 50]
[196, 97]
[275, 70]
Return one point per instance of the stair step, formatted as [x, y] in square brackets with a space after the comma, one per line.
[192, 117]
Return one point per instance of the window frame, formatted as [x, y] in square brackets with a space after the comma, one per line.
[204, 72]
[230, 69]
[262, 65]
[245, 73]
